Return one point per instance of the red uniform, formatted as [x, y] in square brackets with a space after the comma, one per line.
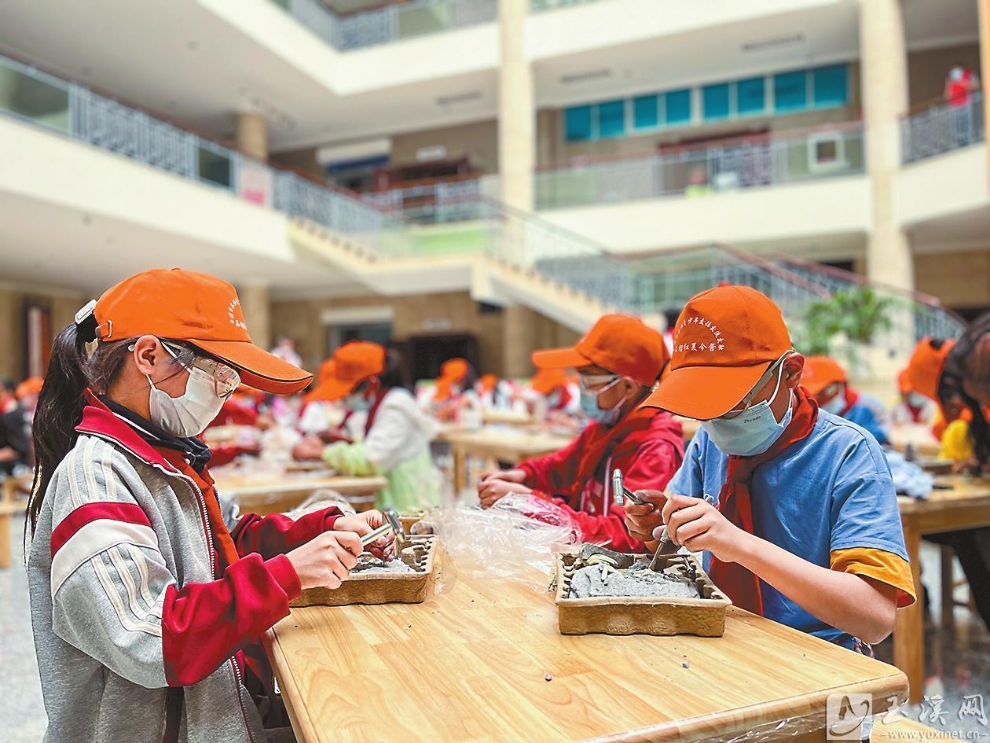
[647, 445]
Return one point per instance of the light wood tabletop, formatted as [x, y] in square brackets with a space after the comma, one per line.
[965, 506]
[265, 494]
[484, 661]
[513, 446]
[920, 437]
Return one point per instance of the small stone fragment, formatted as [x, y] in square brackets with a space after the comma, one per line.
[685, 664]
[548, 677]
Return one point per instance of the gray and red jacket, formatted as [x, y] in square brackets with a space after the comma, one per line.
[129, 600]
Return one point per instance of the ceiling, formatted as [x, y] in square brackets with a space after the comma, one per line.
[184, 62]
[89, 253]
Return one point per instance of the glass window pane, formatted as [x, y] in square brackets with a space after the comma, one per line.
[790, 91]
[577, 124]
[751, 96]
[214, 167]
[611, 119]
[646, 112]
[678, 105]
[831, 85]
[33, 98]
[715, 102]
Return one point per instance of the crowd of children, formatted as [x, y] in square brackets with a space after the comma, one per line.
[144, 597]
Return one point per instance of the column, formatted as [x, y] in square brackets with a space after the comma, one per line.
[516, 109]
[257, 312]
[519, 341]
[251, 134]
[889, 259]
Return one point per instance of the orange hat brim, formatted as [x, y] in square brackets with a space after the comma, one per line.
[560, 358]
[705, 392]
[257, 367]
[332, 389]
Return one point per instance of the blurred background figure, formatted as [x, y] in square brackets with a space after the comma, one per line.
[914, 408]
[560, 396]
[396, 437]
[15, 427]
[826, 380]
[960, 84]
[285, 349]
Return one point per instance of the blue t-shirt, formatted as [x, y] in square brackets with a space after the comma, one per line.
[830, 491]
[863, 417]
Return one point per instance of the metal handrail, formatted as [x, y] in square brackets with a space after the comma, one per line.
[942, 128]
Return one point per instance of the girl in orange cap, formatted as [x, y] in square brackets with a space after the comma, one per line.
[397, 434]
[147, 611]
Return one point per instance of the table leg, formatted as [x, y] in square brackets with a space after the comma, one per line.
[909, 631]
[948, 600]
[4, 540]
[460, 470]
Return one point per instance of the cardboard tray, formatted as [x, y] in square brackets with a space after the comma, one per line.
[641, 615]
[419, 552]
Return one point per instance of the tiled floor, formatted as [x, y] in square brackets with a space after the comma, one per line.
[957, 666]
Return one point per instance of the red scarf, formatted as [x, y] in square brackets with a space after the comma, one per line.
[602, 441]
[735, 503]
[374, 411]
[852, 397]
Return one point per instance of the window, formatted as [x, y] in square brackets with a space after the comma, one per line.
[646, 112]
[715, 102]
[751, 96]
[215, 166]
[790, 91]
[577, 124]
[611, 119]
[831, 85]
[678, 105]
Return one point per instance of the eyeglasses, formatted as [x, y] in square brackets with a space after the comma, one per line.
[597, 382]
[225, 379]
[747, 402]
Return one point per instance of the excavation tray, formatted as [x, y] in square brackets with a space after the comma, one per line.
[422, 553]
[641, 615]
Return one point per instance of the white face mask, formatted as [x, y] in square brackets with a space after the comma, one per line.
[191, 413]
[836, 405]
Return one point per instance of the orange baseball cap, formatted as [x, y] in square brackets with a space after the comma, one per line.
[488, 382]
[547, 380]
[455, 369]
[904, 381]
[926, 364]
[820, 372]
[326, 370]
[194, 308]
[724, 340]
[30, 386]
[351, 364]
[622, 344]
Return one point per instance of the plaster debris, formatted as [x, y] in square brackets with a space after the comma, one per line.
[596, 581]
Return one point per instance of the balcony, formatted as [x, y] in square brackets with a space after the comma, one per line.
[942, 128]
[727, 166]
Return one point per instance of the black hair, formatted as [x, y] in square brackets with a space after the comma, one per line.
[950, 385]
[71, 371]
[394, 374]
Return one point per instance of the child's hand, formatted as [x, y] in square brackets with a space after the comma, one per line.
[697, 525]
[642, 520]
[310, 447]
[364, 523]
[492, 490]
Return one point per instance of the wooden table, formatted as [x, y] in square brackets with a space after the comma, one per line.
[507, 417]
[265, 494]
[483, 661]
[10, 506]
[965, 506]
[504, 446]
[920, 437]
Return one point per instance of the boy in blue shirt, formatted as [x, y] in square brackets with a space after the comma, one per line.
[826, 380]
[805, 529]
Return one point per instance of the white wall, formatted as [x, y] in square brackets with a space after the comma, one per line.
[942, 186]
[806, 210]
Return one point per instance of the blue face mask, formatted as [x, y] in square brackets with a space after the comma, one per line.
[752, 432]
[357, 402]
[836, 405]
[589, 404]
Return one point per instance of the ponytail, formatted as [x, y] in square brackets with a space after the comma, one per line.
[71, 371]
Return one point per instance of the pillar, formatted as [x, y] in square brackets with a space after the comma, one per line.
[889, 258]
[516, 108]
[519, 341]
[257, 309]
[251, 135]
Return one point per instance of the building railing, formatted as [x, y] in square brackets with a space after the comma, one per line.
[717, 168]
[67, 108]
[389, 23]
[942, 128]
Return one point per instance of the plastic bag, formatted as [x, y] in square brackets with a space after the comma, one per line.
[909, 478]
[516, 538]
